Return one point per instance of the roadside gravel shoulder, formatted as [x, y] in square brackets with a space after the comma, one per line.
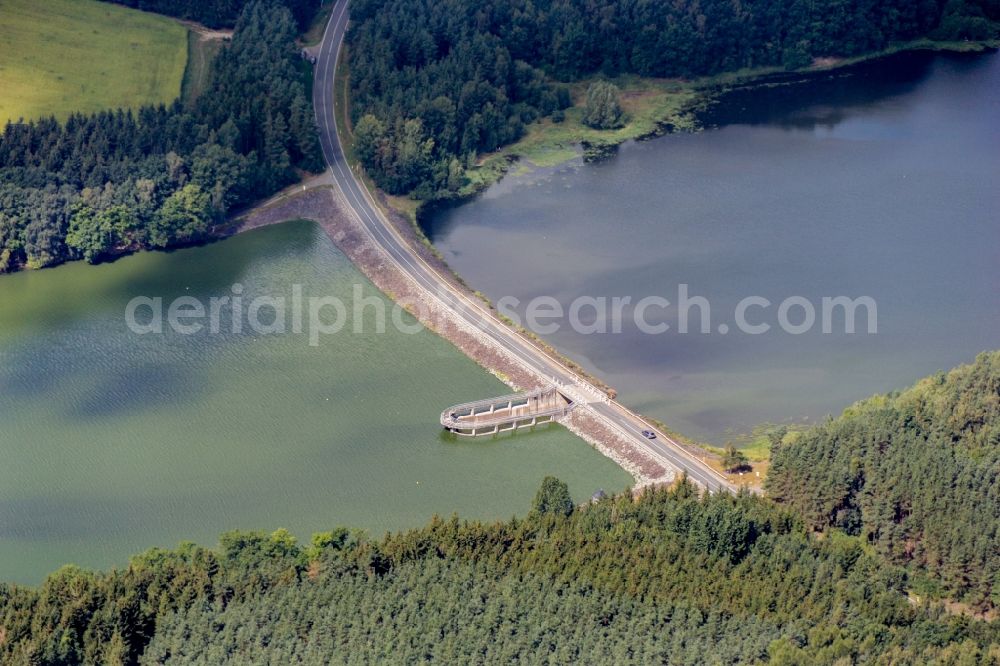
[325, 206]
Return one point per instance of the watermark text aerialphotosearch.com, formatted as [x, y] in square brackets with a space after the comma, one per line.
[317, 316]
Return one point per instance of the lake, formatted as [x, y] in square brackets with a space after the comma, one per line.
[881, 180]
[114, 442]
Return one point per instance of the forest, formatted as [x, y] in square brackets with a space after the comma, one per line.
[883, 519]
[217, 13]
[668, 577]
[915, 475]
[434, 82]
[116, 181]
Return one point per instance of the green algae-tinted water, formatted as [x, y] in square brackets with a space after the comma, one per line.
[112, 442]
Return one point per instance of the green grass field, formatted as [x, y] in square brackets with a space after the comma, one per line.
[61, 56]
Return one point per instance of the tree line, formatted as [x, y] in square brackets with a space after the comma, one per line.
[915, 474]
[434, 82]
[112, 182]
[218, 13]
[668, 577]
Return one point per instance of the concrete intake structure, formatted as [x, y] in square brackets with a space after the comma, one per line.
[507, 413]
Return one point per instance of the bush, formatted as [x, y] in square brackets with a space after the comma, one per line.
[603, 110]
[553, 497]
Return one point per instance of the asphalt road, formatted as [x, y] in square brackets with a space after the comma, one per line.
[611, 413]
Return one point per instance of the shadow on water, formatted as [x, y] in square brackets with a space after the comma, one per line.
[434, 218]
[805, 102]
[32, 371]
[214, 267]
[790, 101]
[144, 373]
[446, 437]
[849, 183]
[60, 297]
[74, 517]
[138, 388]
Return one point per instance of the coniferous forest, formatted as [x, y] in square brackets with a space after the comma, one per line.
[216, 13]
[117, 181]
[907, 501]
[915, 475]
[876, 540]
[433, 82]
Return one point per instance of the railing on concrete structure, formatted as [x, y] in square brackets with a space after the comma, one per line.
[506, 413]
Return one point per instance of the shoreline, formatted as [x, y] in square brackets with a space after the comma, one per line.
[684, 98]
[325, 206]
[552, 152]
[657, 107]
[298, 202]
[407, 219]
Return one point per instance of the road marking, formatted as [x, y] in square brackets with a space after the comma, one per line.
[428, 279]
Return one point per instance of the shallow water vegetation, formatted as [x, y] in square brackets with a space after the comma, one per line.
[650, 107]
